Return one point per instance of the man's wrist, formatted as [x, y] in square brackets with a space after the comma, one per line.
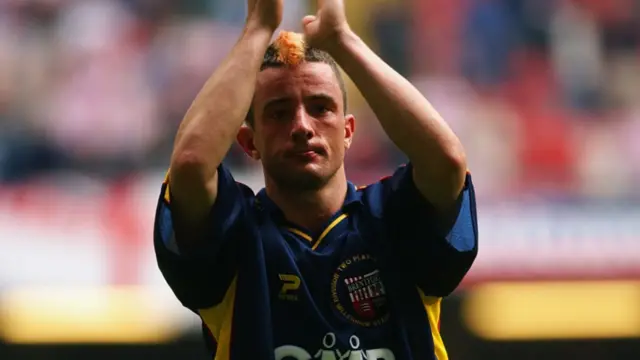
[254, 28]
[343, 41]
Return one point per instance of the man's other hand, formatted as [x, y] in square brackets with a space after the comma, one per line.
[324, 29]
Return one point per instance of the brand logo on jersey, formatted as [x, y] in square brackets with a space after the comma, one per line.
[329, 351]
[358, 293]
[290, 284]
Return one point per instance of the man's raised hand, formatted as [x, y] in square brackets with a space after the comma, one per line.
[264, 14]
[324, 29]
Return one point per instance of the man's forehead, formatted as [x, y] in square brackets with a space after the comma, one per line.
[311, 77]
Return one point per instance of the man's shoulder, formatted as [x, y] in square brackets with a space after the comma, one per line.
[387, 180]
[392, 194]
[249, 180]
[370, 197]
[375, 189]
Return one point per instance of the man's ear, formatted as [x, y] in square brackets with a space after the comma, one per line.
[349, 130]
[245, 139]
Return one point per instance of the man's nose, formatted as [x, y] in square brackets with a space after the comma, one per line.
[302, 128]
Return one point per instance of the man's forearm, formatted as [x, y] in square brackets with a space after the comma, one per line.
[212, 122]
[408, 119]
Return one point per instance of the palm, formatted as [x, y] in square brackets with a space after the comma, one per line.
[328, 22]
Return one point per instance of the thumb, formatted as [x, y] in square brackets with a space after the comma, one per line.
[309, 24]
[308, 20]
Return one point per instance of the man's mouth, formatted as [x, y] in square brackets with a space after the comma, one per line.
[307, 153]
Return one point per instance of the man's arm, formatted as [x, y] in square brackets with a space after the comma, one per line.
[212, 122]
[201, 211]
[406, 116]
[429, 205]
[438, 158]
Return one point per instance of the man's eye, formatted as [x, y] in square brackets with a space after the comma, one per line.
[319, 109]
[279, 114]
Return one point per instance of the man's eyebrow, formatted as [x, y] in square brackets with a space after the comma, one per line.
[321, 96]
[277, 101]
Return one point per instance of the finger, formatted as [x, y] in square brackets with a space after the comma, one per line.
[339, 4]
[319, 4]
[308, 20]
[335, 4]
[310, 27]
[251, 4]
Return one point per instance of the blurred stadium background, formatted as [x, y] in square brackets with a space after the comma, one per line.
[543, 93]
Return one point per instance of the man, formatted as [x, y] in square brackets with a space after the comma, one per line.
[312, 267]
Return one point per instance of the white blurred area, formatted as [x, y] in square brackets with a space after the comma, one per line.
[544, 95]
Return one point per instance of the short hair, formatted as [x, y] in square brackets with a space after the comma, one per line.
[290, 49]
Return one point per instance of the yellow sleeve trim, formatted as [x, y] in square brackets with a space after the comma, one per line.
[432, 307]
[219, 320]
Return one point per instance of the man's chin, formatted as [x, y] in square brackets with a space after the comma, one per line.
[303, 179]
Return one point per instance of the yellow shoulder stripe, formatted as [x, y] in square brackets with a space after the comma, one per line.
[167, 192]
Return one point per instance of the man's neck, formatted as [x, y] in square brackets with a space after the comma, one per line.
[310, 209]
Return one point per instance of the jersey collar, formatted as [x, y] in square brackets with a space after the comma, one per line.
[352, 198]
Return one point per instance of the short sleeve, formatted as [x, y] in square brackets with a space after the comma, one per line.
[199, 278]
[437, 252]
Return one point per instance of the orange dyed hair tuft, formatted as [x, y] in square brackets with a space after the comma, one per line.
[291, 48]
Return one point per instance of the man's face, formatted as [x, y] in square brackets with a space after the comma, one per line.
[300, 132]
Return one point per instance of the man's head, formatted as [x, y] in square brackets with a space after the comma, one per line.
[297, 125]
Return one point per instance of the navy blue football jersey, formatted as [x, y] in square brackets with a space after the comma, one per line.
[368, 286]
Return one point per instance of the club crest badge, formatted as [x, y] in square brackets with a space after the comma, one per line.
[358, 292]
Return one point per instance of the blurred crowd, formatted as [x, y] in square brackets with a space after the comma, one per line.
[543, 93]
